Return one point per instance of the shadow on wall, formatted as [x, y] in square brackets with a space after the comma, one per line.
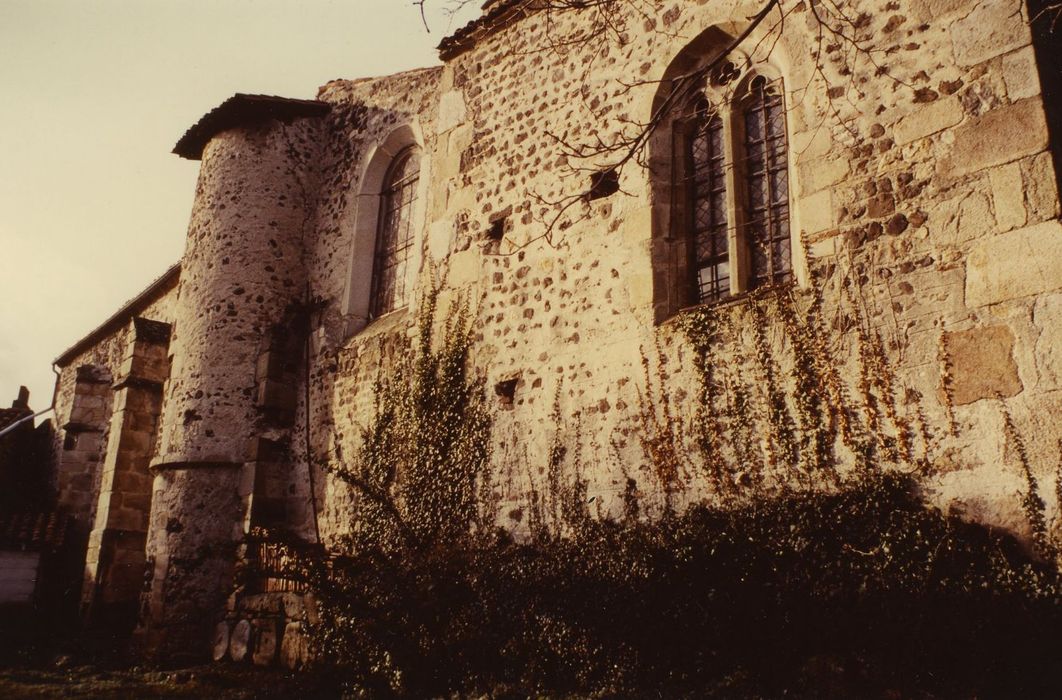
[1047, 46]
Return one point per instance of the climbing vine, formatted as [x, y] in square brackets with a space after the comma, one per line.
[425, 454]
[810, 542]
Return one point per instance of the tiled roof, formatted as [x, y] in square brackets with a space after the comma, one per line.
[464, 37]
[241, 110]
[34, 531]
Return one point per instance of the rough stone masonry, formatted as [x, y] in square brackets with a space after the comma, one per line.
[913, 169]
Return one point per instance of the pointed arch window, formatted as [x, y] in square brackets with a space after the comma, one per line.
[734, 198]
[394, 235]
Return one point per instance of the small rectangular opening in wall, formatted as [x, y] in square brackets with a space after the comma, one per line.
[495, 233]
[70, 442]
[603, 183]
[506, 392]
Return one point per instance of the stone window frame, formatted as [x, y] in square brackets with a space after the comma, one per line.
[673, 277]
[364, 211]
[726, 96]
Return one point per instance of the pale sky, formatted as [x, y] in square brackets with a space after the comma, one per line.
[94, 95]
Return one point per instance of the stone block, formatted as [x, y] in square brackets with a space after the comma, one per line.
[640, 289]
[996, 137]
[1008, 196]
[260, 604]
[134, 399]
[95, 389]
[266, 642]
[94, 418]
[137, 442]
[240, 641]
[464, 268]
[140, 502]
[294, 648]
[1019, 74]
[271, 479]
[1047, 316]
[140, 421]
[149, 333]
[460, 139]
[86, 402]
[809, 145]
[992, 28]
[89, 442]
[145, 367]
[957, 221]
[245, 487]
[296, 606]
[127, 519]
[824, 248]
[220, 645]
[1017, 264]
[438, 197]
[92, 374]
[982, 361]
[821, 173]
[816, 212]
[926, 119]
[926, 10]
[440, 235]
[103, 511]
[1041, 189]
[452, 110]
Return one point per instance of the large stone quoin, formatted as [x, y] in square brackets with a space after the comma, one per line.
[915, 169]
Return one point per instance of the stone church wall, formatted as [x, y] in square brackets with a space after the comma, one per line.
[83, 407]
[924, 207]
[929, 185]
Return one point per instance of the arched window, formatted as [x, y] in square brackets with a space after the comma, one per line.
[394, 234]
[730, 207]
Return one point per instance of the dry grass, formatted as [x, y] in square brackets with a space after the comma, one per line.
[221, 681]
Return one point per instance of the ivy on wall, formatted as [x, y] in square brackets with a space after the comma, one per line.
[811, 561]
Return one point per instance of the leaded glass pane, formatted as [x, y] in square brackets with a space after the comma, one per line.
[766, 185]
[707, 215]
[394, 236]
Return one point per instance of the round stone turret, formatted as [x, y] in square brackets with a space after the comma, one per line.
[242, 271]
[242, 275]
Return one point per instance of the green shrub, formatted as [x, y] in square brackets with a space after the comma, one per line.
[742, 601]
[853, 588]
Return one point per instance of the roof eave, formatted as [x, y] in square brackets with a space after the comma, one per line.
[501, 14]
[242, 110]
